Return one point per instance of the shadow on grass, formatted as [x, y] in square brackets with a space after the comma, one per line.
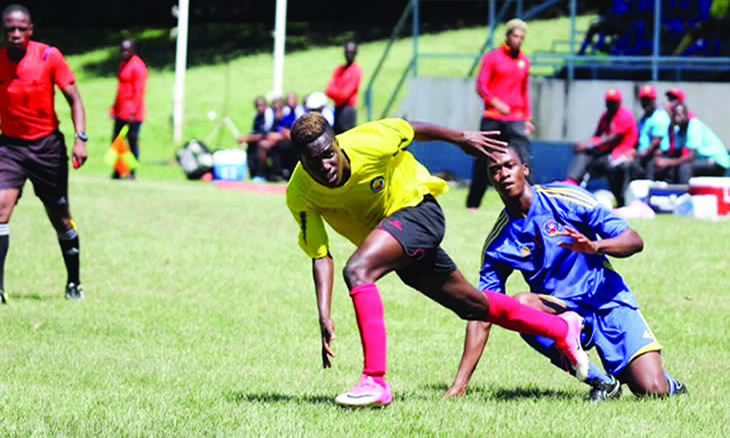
[274, 398]
[506, 394]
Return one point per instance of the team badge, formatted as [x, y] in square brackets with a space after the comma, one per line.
[521, 63]
[377, 184]
[552, 228]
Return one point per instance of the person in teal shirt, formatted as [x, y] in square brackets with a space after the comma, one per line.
[700, 147]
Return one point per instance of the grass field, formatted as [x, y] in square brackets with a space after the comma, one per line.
[200, 319]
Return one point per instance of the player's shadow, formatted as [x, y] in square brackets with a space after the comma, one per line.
[505, 394]
[274, 398]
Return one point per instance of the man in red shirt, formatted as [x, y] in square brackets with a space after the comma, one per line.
[342, 89]
[503, 84]
[609, 151]
[129, 107]
[31, 145]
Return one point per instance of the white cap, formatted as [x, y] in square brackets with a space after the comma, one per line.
[316, 100]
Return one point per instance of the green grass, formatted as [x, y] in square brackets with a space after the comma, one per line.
[250, 75]
[200, 319]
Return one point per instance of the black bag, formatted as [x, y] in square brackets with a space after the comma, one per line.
[195, 159]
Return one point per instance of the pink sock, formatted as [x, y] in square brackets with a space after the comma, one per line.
[370, 321]
[509, 313]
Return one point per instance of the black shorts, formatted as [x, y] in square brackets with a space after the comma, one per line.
[43, 161]
[419, 230]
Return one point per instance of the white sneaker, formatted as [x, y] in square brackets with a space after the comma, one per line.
[366, 393]
[571, 348]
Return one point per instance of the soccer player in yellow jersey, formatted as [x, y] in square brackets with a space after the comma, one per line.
[373, 192]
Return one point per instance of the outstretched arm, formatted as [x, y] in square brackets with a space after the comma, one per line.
[471, 142]
[322, 273]
[477, 334]
[627, 243]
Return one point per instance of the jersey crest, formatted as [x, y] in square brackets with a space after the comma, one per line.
[552, 228]
[377, 184]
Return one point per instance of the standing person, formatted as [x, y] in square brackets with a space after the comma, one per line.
[31, 145]
[503, 84]
[610, 151]
[559, 238]
[129, 106]
[374, 193]
[342, 89]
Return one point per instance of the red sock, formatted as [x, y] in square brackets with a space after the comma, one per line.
[370, 321]
[509, 313]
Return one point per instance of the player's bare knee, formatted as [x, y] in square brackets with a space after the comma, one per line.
[356, 272]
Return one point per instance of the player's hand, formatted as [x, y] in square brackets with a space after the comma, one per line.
[327, 328]
[79, 154]
[581, 146]
[661, 162]
[529, 127]
[478, 143]
[455, 391]
[580, 242]
[502, 107]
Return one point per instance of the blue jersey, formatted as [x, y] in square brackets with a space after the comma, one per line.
[530, 245]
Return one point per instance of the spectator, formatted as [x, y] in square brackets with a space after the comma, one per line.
[610, 149]
[342, 89]
[317, 102]
[129, 106]
[713, 27]
[699, 147]
[262, 124]
[293, 105]
[275, 150]
[503, 84]
[653, 128]
[611, 23]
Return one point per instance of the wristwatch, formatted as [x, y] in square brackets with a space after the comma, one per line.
[82, 136]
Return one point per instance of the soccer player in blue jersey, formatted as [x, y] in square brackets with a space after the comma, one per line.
[558, 236]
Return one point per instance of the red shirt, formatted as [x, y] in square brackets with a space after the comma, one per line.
[505, 78]
[26, 91]
[622, 123]
[343, 84]
[132, 78]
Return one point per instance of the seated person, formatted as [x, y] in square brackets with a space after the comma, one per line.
[262, 123]
[276, 149]
[293, 105]
[317, 102]
[560, 239]
[611, 23]
[701, 150]
[714, 26]
[609, 151]
[653, 128]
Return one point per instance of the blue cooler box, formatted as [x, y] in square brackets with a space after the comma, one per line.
[665, 199]
[230, 165]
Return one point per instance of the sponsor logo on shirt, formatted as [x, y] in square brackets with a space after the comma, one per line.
[377, 184]
[552, 228]
[521, 63]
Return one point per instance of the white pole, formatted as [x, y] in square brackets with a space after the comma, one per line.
[279, 40]
[178, 98]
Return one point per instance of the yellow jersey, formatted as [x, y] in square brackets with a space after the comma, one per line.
[384, 178]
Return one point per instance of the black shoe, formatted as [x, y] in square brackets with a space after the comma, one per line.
[3, 298]
[74, 292]
[604, 391]
[681, 389]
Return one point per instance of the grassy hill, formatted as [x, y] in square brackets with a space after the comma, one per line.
[93, 55]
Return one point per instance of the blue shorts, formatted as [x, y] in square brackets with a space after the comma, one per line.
[620, 334]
